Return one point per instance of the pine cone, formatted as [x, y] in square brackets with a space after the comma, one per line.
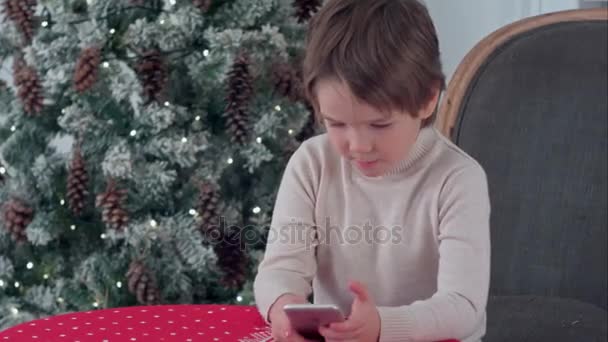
[77, 183]
[18, 66]
[21, 12]
[85, 74]
[203, 5]
[29, 88]
[142, 284]
[287, 81]
[228, 248]
[111, 202]
[239, 93]
[237, 124]
[153, 74]
[208, 210]
[17, 216]
[305, 9]
[79, 7]
[232, 260]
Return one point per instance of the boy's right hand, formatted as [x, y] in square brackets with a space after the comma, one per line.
[279, 322]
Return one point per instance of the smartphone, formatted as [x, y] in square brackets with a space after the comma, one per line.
[307, 318]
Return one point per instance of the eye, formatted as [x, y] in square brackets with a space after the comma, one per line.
[335, 124]
[381, 125]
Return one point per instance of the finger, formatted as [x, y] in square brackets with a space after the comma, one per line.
[278, 335]
[289, 335]
[346, 326]
[331, 334]
[293, 336]
[360, 290]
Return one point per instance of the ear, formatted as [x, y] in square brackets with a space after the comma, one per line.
[429, 108]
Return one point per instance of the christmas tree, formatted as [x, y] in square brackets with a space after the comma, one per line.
[142, 143]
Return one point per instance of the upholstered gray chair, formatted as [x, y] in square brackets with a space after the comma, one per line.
[529, 102]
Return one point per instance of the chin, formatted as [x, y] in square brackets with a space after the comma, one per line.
[372, 173]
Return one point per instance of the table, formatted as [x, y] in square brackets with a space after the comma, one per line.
[183, 323]
[169, 323]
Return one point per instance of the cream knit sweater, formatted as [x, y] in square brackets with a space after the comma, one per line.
[418, 237]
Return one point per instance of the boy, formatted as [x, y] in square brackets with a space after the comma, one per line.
[381, 206]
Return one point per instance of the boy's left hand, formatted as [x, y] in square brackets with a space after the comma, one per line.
[363, 324]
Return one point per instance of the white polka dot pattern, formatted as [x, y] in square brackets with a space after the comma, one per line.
[168, 323]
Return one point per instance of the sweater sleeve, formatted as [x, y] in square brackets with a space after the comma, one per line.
[458, 306]
[289, 263]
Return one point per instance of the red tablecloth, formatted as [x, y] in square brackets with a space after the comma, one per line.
[150, 323]
[183, 323]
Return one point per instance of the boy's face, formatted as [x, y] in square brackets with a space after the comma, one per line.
[373, 141]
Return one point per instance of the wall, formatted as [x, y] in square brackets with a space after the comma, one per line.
[461, 24]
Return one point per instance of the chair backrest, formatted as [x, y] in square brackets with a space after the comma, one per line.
[529, 102]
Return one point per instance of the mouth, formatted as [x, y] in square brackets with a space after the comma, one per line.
[365, 164]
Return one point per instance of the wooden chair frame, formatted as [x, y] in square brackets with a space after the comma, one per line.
[475, 58]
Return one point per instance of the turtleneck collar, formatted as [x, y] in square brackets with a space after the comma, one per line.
[423, 144]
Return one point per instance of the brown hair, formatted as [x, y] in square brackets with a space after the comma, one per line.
[385, 51]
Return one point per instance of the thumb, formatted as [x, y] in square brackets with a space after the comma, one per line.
[359, 290]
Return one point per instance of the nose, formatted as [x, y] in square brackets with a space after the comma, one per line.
[360, 143]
